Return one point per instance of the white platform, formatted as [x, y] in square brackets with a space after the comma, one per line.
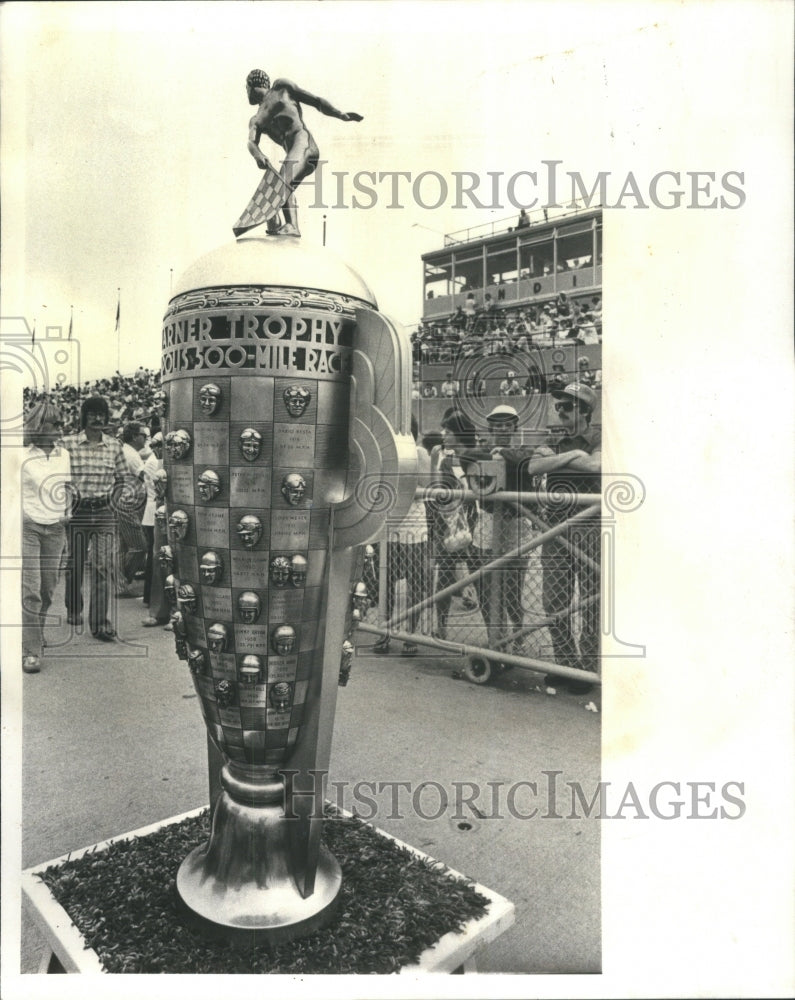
[454, 951]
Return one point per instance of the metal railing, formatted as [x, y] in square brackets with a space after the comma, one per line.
[494, 228]
[525, 594]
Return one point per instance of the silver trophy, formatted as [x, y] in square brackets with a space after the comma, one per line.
[288, 445]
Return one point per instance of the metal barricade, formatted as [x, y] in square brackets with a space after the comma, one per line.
[526, 593]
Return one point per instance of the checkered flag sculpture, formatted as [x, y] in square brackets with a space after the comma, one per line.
[267, 201]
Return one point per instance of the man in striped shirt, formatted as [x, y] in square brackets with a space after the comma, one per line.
[99, 472]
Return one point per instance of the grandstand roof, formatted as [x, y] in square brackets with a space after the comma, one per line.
[483, 234]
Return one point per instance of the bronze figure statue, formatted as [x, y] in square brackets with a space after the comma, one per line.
[279, 116]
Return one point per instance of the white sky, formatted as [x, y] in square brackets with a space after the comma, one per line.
[128, 123]
[124, 155]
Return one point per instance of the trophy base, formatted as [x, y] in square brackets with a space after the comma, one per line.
[240, 885]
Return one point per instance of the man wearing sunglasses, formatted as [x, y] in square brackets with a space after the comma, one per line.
[574, 556]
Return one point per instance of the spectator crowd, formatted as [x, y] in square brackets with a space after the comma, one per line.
[129, 397]
[98, 448]
[474, 331]
[88, 465]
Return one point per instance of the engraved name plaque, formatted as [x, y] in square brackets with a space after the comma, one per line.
[212, 526]
[180, 483]
[211, 443]
[250, 486]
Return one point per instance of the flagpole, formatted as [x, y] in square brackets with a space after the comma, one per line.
[33, 335]
[118, 329]
[71, 316]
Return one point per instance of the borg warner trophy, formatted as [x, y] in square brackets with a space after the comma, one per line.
[287, 445]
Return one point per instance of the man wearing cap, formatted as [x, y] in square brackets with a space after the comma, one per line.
[450, 386]
[503, 424]
[575, 555]
[99, 473]
[584, 373]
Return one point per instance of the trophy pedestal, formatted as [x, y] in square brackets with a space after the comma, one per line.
[67, 950]
[241, 884]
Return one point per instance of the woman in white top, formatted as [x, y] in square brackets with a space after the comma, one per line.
[46, 499]
[152, 466]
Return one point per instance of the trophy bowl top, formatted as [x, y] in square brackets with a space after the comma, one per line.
[254, 260]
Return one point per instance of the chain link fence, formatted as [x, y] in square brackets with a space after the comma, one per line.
[525, 592]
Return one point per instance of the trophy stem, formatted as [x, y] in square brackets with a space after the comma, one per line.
[240, 885]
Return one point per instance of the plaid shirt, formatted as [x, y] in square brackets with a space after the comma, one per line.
[96, 468]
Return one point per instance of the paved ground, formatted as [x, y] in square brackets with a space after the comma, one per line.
[113, 740]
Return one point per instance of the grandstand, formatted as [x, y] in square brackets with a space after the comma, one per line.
[136, 396]
[522, 295]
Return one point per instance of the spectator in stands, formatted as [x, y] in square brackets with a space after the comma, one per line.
[428, 345]
[596, 314]
[566, 328]
[453, 341]
[100, 473]
[407, 555]
[436, 341]
[125, 397]
[587, 333]
[584, 373]
[523, 221]
[575, 556]
[509, 386]
[547, 325]
[503, 338]
[472, 345]
[558, 380]
[450, 386]
[429, 391]
[45, 479]
[492, 341]
[521, 338]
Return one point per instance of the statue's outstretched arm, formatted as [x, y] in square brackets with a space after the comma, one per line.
[320, 103]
